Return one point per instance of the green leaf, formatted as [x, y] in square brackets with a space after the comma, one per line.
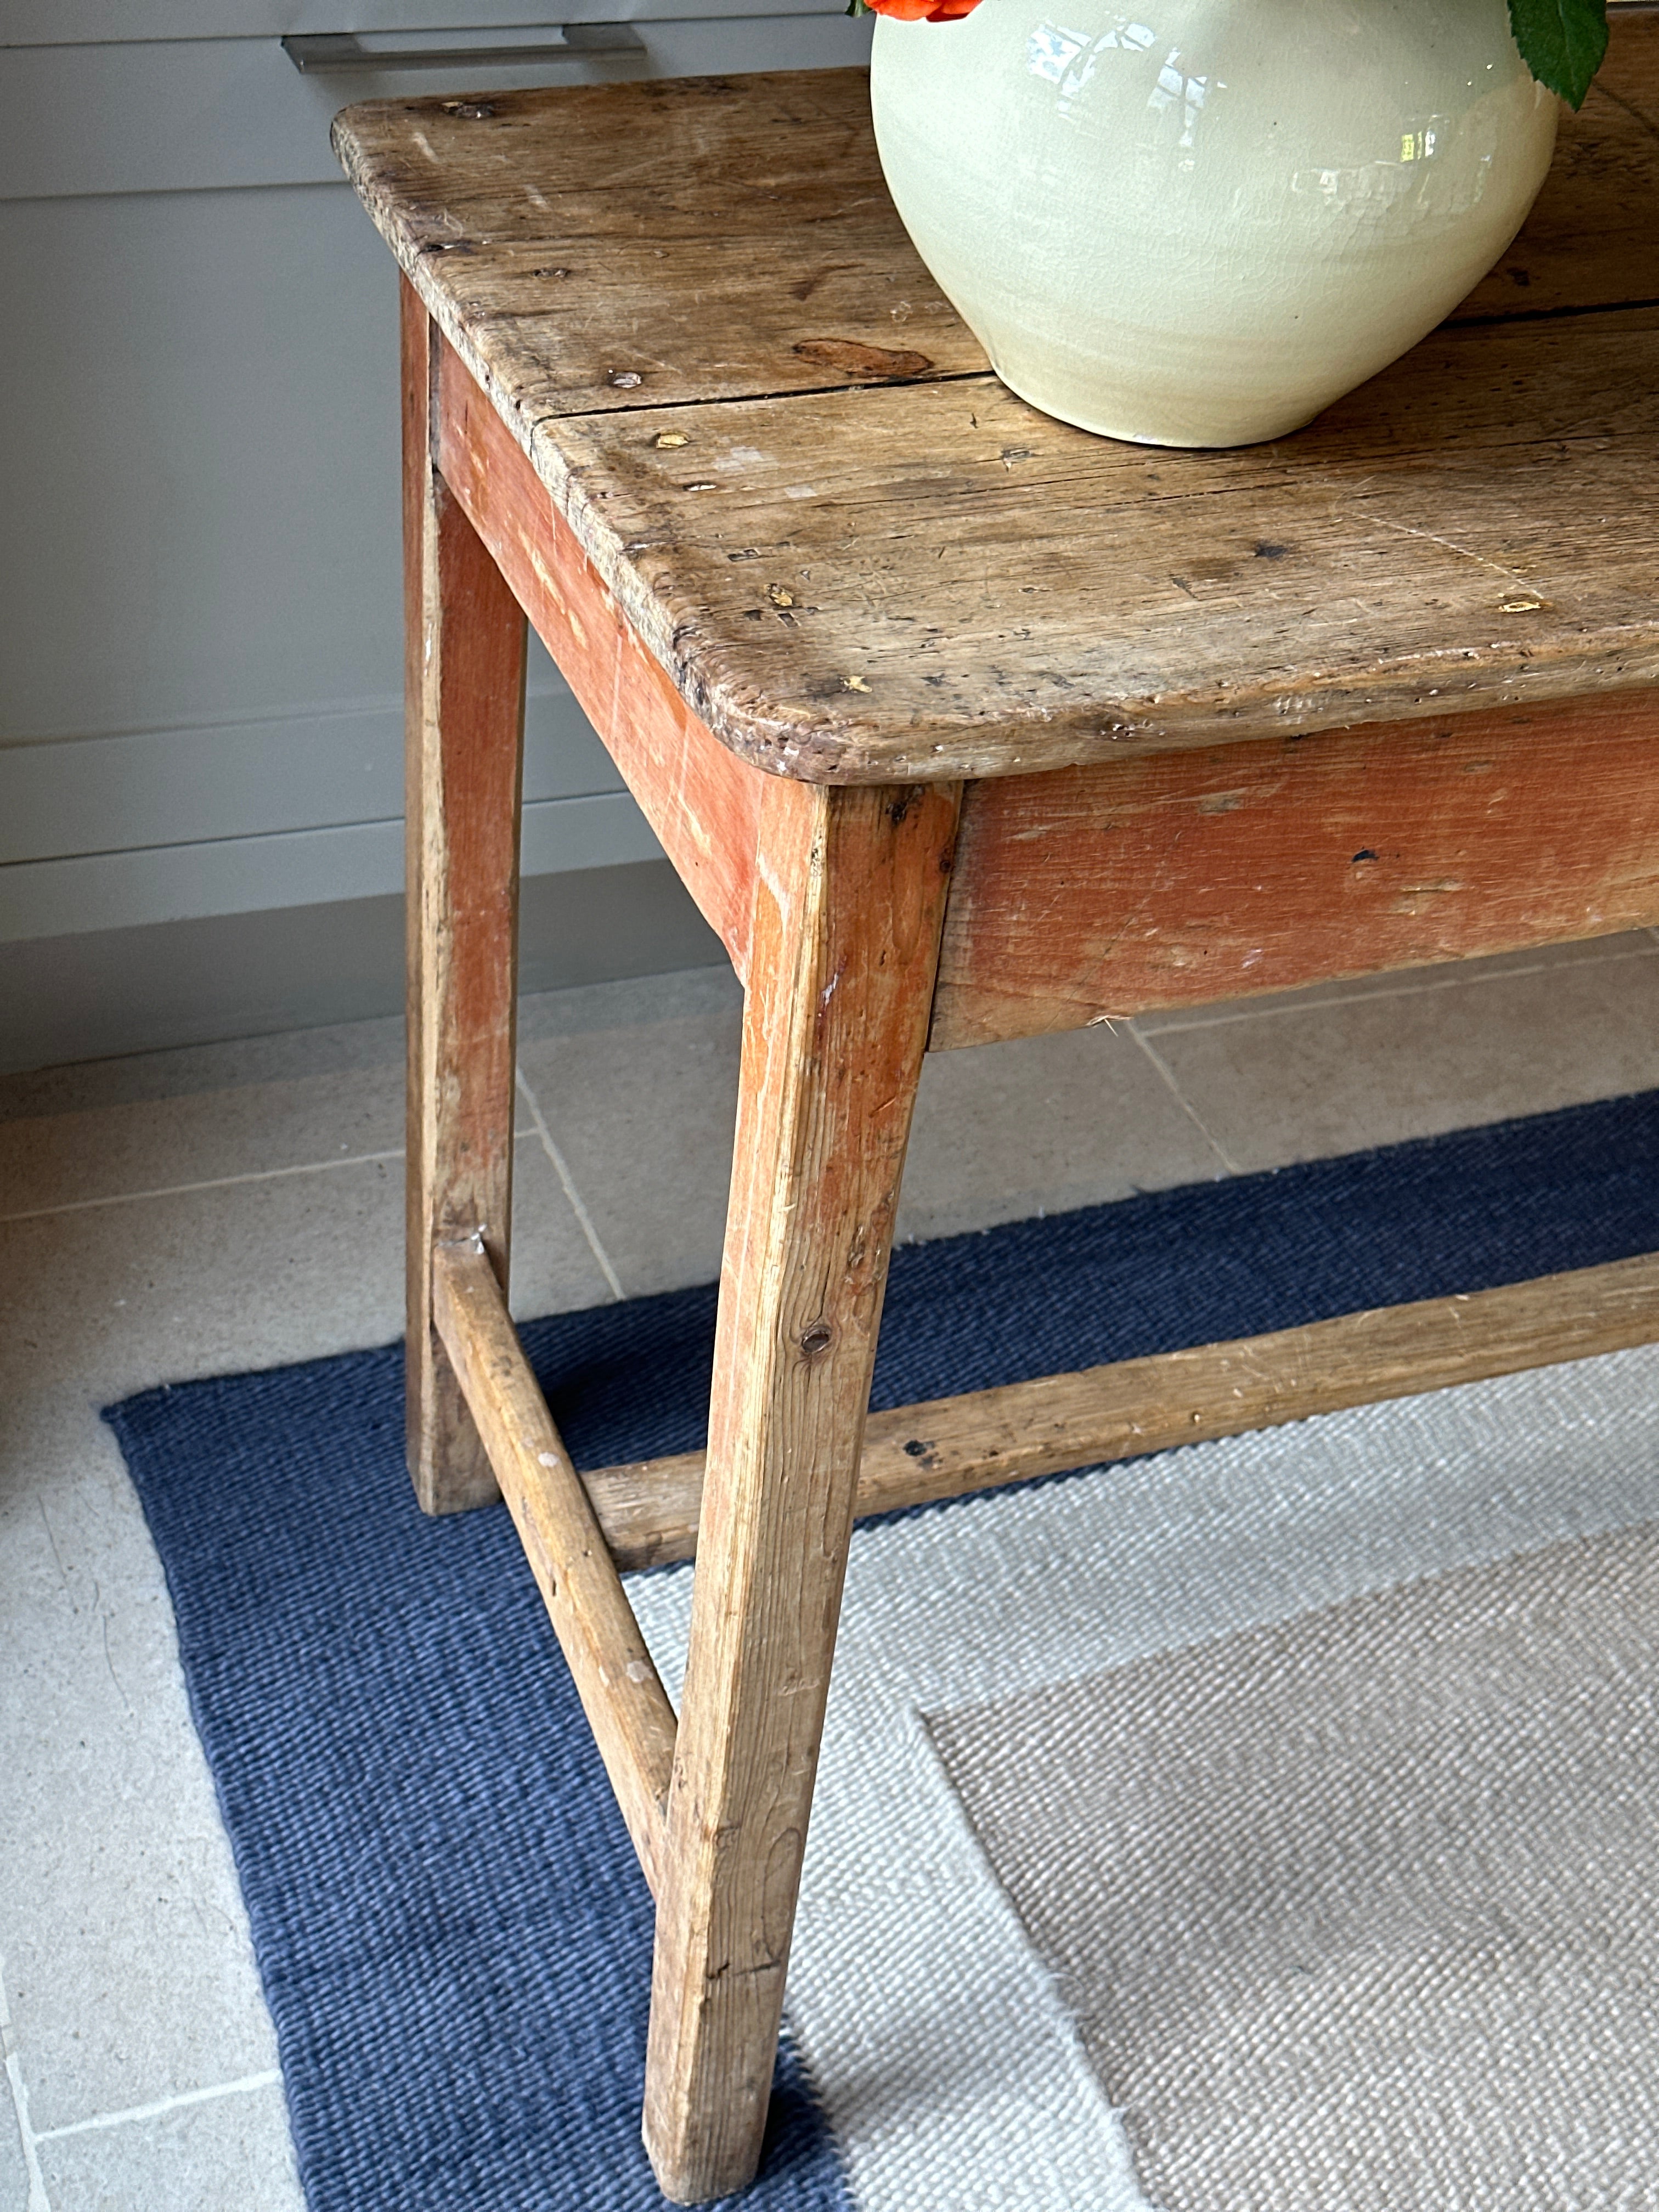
[1561, 42]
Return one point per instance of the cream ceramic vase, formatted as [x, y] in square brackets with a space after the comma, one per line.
[1199, 224]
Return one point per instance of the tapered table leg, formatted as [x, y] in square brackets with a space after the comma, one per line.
[464, 684]
[850, 892]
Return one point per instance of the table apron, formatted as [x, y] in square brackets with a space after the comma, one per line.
[702, 801]
[1178, 880]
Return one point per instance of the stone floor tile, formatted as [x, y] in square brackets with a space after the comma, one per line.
[14, 2166]
[87, 1087]
[1042, 1125]
[554, 1269]
[230, 2154]
[633, 1003]
[112, 1299]
[643, 1114]
[116, 1148]
[128, 1970]
[1308, 1082]
[109, 1152]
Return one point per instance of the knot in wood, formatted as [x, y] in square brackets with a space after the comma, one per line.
[818, 1340]
[853, 357]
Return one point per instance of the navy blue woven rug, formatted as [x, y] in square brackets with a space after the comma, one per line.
[454, 1936]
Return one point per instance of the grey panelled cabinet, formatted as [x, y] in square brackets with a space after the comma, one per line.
[200, 722]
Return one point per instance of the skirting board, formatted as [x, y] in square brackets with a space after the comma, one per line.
[100, 992]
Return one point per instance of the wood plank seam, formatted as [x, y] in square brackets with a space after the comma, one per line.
[615, 1677]
[918, 1455]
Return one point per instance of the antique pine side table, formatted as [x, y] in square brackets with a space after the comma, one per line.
[958, 725]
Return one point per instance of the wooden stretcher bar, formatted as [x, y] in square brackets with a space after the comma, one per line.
[646, 1511]
[615, 1677]
[917, 1455]
[580, 1531]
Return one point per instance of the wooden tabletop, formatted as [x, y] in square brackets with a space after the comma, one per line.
[861, 559]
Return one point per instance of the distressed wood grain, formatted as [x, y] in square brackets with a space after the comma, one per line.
[972, 587]
[749, 220]
[615, 1677]
[690, 233]
[851, 576]
[917, 1455]
[464, 655]
[848, 900]
[1181, 879]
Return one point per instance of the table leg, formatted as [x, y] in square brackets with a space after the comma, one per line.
[463, 682]
[849, 897]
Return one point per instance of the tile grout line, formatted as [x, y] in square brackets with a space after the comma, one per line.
[1190, 1111]
[1158, 1027]
[1449, 982]
[568, 1182]
[210, 1182]
[247, 2083]
[38, 2200]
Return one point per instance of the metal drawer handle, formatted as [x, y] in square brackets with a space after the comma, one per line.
[342, 49]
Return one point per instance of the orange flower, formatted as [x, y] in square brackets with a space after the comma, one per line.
[923, 11]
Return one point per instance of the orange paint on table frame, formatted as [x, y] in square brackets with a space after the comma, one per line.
[1181, 879]
[702, 801]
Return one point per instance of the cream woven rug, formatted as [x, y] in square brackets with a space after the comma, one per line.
[1271, 1823]
[1359, 1910]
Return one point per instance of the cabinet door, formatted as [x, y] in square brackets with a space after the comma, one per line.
[200, 671]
